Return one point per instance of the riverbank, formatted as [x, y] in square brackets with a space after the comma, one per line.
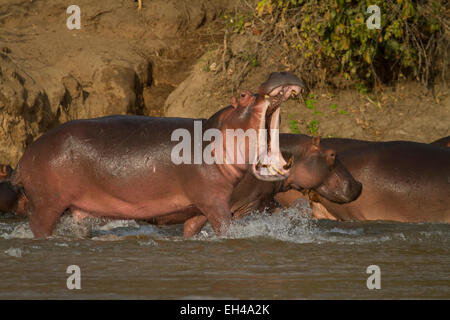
[177, 59]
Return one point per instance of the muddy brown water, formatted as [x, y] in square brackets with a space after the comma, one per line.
[283, 256]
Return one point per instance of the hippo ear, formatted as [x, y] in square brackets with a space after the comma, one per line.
[316, 141]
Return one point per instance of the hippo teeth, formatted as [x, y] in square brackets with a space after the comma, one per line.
[281, 173]
[272, 169]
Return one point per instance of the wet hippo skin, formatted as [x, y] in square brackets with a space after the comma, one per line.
[313, 167]
[402, 181]
[121, 166]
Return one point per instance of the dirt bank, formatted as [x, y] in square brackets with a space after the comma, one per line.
[121, 61]
[405, 111]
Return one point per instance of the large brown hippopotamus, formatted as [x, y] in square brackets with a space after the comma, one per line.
[402, 181]
[312, 167]
[123, 166]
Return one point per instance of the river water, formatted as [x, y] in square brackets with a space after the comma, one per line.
[282, 256]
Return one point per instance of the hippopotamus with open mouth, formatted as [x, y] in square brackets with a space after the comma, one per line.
[122, 166]
[311, 167]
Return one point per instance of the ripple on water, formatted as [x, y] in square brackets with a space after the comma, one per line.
[14, 252]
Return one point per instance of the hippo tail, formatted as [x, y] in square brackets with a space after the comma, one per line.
[12, 197]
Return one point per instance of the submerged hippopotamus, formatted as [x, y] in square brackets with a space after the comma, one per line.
[402, 181]
[312, 167]
[123, 166]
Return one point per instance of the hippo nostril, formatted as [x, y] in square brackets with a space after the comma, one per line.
[331, 154]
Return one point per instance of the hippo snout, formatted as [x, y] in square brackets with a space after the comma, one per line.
[351, 190]
[340, 190]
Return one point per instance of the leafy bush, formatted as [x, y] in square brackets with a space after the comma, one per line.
[332, 39]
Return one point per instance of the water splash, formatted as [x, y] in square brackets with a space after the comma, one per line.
[94, 228]
[16, 231]
[291, 224]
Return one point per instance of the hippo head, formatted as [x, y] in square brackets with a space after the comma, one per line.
[318, 169]
[261, 112]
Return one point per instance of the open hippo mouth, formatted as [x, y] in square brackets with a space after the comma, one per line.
[278, 88]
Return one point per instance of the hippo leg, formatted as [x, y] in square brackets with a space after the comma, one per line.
[193, 225]
[22, 206]
[45, 214]
[43, 220]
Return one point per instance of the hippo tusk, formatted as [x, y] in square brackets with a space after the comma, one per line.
[272, 170]
[279, 171]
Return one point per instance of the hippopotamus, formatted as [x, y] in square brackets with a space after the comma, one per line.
[8, 194]
[312, 167]
[123, 166]
[402, 181]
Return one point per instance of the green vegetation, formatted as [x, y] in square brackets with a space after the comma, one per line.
[293, 124]
[237, 22]
[310, 102]
[250, 58]
[313, 127]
